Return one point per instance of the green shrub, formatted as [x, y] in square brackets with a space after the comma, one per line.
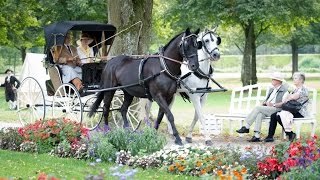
[101, 147]
[309, 63]
[145, 141]
[105, 145]
[10, 139]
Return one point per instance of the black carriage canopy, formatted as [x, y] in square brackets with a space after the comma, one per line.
[56, 32]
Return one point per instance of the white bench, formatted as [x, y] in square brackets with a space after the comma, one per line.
[244, 99]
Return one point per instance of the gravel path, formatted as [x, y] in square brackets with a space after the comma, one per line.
[223, 141]
[7, 125]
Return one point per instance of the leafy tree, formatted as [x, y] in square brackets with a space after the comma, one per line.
[296, 27]
[22, 21]
[19, 25]
[254, 18]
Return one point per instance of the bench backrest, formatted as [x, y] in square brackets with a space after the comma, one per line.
[244, 99]
[312, 101]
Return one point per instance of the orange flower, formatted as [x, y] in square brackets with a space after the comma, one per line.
[199, 163]
[243, 171]
[171, 168]
[177, 164]
[219, 173]
[239, 177]
[236, 173]
[203, 171]
[181, 168]
[213, 158]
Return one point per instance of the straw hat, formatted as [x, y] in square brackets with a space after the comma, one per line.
[7, 71]
[84, 36]
[277, 76]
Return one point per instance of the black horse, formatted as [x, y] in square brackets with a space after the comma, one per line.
[154, 77]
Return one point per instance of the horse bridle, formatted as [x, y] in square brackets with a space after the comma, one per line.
[204, 44]
[182, 48]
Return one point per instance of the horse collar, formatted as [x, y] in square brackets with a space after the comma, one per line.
[164, 65]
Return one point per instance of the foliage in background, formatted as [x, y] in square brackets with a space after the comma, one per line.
[267, 63]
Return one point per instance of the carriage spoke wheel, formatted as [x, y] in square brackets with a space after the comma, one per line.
[30, 101]
[132, 114]
[91, 122]
[67, 103]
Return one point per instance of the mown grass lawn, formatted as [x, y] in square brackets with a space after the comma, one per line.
[18, 165]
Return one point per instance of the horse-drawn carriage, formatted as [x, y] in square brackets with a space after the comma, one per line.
[155, 77]
[63, 99]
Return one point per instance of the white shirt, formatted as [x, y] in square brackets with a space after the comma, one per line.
[272, 97]
[85, 57]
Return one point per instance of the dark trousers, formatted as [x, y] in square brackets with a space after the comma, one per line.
[273, 123]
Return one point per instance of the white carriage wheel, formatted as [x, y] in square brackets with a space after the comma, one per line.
[91, 122]
[67, 103]
[132, 114]
[30, 101]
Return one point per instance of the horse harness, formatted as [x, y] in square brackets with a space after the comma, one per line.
[164, 66]
[201, 75]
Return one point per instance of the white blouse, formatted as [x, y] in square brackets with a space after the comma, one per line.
[85, 55]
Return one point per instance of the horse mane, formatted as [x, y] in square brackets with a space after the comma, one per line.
[165, 47]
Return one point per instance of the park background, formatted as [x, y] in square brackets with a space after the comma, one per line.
[258, 37]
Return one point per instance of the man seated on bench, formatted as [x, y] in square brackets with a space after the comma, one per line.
[271, 105]
[69, 63]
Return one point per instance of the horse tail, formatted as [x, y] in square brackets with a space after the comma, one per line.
[96, 104]
[185, 96]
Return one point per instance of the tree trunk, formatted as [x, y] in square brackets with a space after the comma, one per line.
[247, 54]
[23, 51]
[123, 14]
[295, 53]
[254, 79]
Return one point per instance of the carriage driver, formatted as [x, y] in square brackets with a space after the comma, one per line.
[70, 64]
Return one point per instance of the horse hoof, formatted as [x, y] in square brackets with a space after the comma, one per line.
[209, 143]
[178, 142]
[189, 139]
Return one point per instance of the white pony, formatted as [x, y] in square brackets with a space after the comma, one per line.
[200, 79]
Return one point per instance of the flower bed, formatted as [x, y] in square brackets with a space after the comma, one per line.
[65, 138]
